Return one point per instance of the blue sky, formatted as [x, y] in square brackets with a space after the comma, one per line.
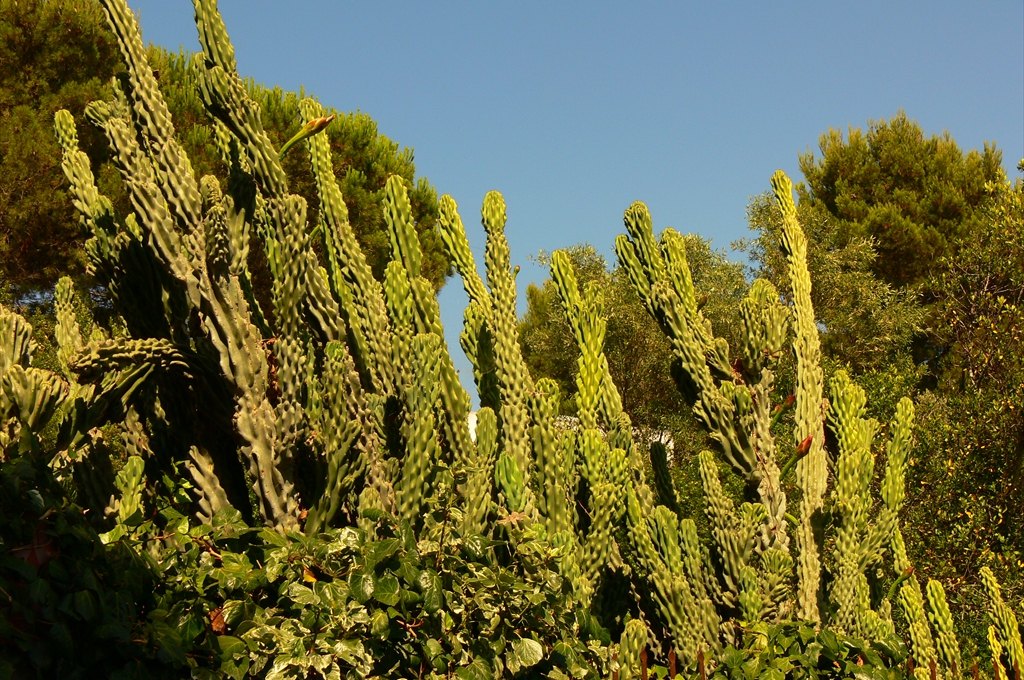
[575, 110]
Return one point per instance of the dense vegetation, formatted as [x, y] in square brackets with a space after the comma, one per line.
[950, 337]
[256, 461]
[60, 54]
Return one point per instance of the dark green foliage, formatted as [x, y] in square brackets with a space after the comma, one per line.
[913, 195]
[970, 469]
[70, 607]
[800, 652]
[363, 160]
[229, 601]
[59, 54]
[54, 55]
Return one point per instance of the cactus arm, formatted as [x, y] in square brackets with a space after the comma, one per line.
[67, 332]
[811, 470]
[702, 358]
[733, 531]
[405, 245]
[663, 479]
[511, 486]
[240, 206]
[893, 484]
[77, 169]
[921, 642]
[35, 394]
[587, 322]
[854, 471]
[323, 312]
[678, 273]
[477, 342]
[224, 95]
[514, 379]
[151, 208]
[634, 640]
[480, 474]
[946, 644]
[422, 449]
[1004, 621]
[671, 590]
[346, 435]
[152, 120]
[859, 543]
[553, 498]
[998, 671]
[596, 392]
[427, 318]
[211, 495]
[351, 281]
[453, 235]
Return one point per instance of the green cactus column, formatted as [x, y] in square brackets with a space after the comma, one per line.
[859, 543]
[514, 380]
[811, 470]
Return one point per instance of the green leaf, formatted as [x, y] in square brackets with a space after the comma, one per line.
[732, 657]
[230, 646]
[85, 605]
[527, 651]
[228, 517]
[433, 649]
[361, 584]
[272, 537]
[378, 551]
[433, 595]
[477, 670]
[379, 623]
[830, 644]
[300, 594]
[386, 590]
[134, 519]
[60, 638]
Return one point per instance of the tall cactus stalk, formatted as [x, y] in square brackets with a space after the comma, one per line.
[811, 470]
[752, 562]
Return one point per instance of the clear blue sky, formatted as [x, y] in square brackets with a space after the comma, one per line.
[575, 110]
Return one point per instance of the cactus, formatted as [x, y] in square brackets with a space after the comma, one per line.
[342, 401]
[1004, 622]
[752, 563]
[946, 645]
[859, 543]
[634, 639]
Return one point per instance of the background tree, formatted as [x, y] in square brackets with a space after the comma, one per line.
[53, 55]
[60, 54]
[970, 470]
[867, 323]
[914, 196]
